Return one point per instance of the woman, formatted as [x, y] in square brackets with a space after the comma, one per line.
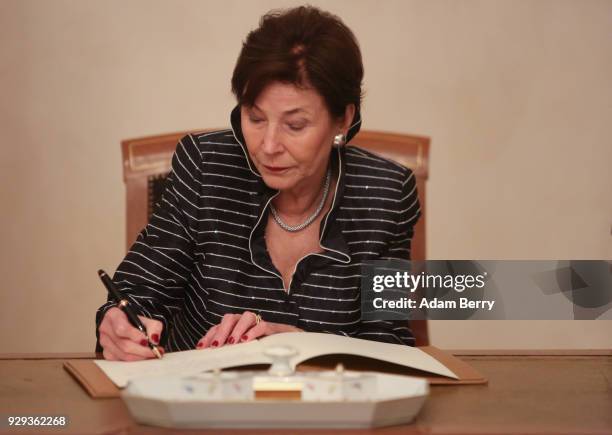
[263, 228]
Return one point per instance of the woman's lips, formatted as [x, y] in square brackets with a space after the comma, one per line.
[276, 169]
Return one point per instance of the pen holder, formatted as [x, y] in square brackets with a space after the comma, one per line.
[281, 360]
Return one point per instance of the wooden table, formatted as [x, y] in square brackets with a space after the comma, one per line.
[528, 392]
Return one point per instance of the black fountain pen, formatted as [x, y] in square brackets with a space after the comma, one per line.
[124, 305]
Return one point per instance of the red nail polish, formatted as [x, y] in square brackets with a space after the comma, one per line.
[215, 343]
[143, 342]
[230, 340]
[155, 338]
[199, 344]
[161, 350]
[244, 338]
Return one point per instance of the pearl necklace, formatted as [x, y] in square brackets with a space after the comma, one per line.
[312, 217]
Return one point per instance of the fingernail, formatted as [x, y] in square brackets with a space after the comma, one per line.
[230, 340]
[199, 344]
[155, 338]
[161, 349]
[143, 342]
[244, 338]
[215, 343]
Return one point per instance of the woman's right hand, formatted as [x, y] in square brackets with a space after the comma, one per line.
[123, 342]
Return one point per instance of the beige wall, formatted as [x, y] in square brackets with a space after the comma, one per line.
[516, 96]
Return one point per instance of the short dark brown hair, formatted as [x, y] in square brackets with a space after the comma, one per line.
[304, 46]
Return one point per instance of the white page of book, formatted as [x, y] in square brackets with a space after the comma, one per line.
[314, 344]
[308, 345]
[188, 362]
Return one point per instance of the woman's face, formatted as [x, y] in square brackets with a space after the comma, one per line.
[289, 134]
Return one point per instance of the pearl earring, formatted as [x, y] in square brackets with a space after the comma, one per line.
[339, 140]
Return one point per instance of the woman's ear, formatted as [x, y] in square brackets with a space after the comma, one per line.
[349, 114]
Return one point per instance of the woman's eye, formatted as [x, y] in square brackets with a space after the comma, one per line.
[255, 120]
[296, 127]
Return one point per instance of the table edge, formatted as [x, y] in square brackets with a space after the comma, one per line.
[455, 352]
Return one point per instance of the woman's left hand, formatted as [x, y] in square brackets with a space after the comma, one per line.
[239, 328]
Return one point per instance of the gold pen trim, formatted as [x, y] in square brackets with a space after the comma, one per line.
[156, 352]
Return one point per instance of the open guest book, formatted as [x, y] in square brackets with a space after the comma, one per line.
[314, 351]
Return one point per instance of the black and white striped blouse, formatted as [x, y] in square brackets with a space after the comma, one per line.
[203, 253]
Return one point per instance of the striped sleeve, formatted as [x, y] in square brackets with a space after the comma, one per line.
[397, 331]
[153, 274]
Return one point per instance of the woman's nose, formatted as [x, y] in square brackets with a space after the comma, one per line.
[271, 141]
